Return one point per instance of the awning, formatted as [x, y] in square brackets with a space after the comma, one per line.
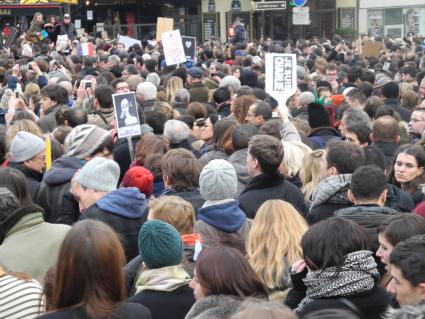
[29, 10]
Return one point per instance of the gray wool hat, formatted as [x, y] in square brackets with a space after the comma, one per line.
[84, 140]
[218, 180]
[25, 146]
[100, 174]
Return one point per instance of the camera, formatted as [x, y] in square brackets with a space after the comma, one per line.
[56, 64]
[30, 66]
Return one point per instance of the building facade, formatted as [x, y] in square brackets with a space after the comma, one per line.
[393, 18]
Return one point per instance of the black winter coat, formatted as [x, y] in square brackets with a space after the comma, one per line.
[166, 304]
[33, 178]
[125, 310]
[324, 211]
[124, 214]
[264, 187]
[368, 216]
[56, 183]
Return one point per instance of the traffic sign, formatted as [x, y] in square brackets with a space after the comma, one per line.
[269, 5]
[300, 3]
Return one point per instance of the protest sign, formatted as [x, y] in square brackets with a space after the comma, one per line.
[163, 25]
[128, 42]
[281, 76]
[173, 47]
[125, 108]
[371, 49]
[189, 46]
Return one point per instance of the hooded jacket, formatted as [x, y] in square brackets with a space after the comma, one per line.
[56, 182]
[124, 210]
[238, 161]
[330, 195]
[368, 216]
[29, 244]
[223, 224]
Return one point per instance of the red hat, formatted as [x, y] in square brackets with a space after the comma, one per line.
[141, 178]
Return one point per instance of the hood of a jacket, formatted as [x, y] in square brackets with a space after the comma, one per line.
[62, 170]
[127, 202]
[227, 217]
[369, 215]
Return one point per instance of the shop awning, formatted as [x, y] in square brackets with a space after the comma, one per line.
[29, 10]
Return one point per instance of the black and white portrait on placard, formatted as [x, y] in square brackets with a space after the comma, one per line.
[125, 106]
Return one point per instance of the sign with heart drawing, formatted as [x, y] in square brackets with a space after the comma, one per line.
[189, 45]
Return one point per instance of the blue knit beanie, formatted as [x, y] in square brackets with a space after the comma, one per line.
[160, 244]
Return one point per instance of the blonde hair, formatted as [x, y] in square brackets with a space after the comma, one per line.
[404, 87]
[174, 84]
[174, 211]
[167, 109]
[22, 125]
[256, 308]
[275, 235]
[293, 155]
[311, 173]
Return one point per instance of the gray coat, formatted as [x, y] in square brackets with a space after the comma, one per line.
[214, 307]
[48, 122]
[238, 160]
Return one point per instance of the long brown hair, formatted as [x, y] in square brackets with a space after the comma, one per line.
[149, 144]
[225, 271]
[89, 270]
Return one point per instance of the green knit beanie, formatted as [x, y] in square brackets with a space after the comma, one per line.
[160, 244]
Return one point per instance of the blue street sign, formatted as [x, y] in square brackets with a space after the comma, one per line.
[300, 3]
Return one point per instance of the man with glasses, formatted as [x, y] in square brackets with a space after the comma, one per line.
[29, 156]
[417, 124]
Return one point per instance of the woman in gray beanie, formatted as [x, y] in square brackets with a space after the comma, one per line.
[220, 220]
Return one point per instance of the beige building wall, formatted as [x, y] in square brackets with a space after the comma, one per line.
[346, 3]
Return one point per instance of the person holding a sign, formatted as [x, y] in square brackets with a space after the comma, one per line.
[36, 26]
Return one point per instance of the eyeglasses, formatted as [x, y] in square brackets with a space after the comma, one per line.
[250, 114]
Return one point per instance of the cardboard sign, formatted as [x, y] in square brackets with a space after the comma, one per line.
[125, 108]
[189, 46]
[281, 76]
[128, 42]
[173, 47]
[163, 25]
[371, 48]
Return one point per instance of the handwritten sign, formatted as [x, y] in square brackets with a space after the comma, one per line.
[281, 76]
[173, 47]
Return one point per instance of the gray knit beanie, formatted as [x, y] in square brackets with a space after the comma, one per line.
[100, 174]
[84, 140]
[25, 146]
[218, 180]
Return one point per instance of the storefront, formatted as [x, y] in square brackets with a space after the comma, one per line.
[388, 18]
[275, 24]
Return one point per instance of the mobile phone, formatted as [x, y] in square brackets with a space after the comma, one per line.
[17, 94]
[30, 66]
[86, 84]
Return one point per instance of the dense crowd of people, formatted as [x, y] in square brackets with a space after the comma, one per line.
[229, 204]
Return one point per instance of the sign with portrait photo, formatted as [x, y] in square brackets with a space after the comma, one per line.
[125, 107]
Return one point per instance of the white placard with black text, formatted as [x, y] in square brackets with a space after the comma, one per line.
[173, 47]
[281, 76]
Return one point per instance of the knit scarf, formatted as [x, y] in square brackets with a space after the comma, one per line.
[357, 275]
[162, 279]
[333, 190]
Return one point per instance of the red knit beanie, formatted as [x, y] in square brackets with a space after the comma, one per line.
[141, 178]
